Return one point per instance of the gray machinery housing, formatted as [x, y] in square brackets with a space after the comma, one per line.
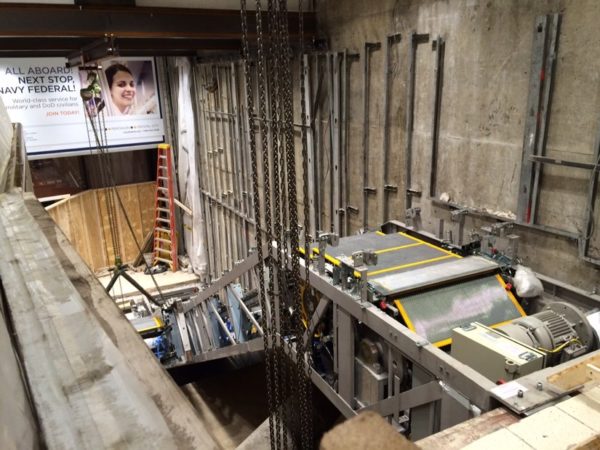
[561, 330]
[383, 313]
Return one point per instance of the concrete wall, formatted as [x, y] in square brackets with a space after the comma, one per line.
[486, 78]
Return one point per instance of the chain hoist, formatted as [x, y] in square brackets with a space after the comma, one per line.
[281, 299]
[257, 217]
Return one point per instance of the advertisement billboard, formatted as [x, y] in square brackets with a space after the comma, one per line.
[46, 97]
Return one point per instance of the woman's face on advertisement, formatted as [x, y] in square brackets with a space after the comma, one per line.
[123, 90]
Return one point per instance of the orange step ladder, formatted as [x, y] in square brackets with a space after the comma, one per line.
[165, 238]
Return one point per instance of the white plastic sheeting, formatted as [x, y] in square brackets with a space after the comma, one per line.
[188, 171]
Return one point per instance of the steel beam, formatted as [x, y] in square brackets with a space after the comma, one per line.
[310, 144]
[439, 47]
[532, 128]
[588, 228]
[344, 348]
[418, 396]
[47, 20]
[237, 272]
[384, 185]
[415, 40]
[367, 189]
[461, 377]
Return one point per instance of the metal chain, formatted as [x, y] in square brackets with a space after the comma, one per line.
[288, 387]
[303, 400]
[257, 218]
[306, 347]
[286, 382]
[265, 131]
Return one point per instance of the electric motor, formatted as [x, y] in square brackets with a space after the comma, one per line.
[561, 331]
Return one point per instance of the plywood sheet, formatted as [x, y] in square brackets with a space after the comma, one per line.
[84, 219]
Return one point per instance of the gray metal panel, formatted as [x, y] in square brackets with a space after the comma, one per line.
[487, 351]
[367, 241]
[395, 262]
[451, 269]
[399, 252]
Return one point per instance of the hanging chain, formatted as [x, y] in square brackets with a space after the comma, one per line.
[273, 349]
[257, 218]
[288, 385]
[306, 346]
[285, 382]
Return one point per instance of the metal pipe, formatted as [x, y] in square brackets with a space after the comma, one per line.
[221, 323]
[310, 143]
[366, 81]
[247, 311]
[549, 66]
[384, 182]
[439, 47]
[415, 40]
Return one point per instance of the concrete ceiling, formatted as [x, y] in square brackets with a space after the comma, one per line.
[59, 28]
[197, 4]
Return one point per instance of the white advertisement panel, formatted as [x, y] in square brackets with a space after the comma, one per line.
[44, 95]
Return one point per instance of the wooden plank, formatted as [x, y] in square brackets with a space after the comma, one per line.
[576, 375]
[460, 435]
[146, 202]
[366, 430]
[98, 258]
[187, 431]
[547, 429]
[84, 219]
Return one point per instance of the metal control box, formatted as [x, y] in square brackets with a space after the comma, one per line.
[493, 354]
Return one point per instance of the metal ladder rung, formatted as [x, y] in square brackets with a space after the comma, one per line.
[162, 230]
[163, 178]
[163, 199]
[164, 210]
[162, 188]
[164, 241]
[164, 250]
[163, 220]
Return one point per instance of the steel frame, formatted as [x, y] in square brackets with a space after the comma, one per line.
[443, 382]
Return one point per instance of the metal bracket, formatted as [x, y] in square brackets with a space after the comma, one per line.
[370, 190]
[413, 213]
[364, 258]
[458, 215]
[323, 241]
[390, 188]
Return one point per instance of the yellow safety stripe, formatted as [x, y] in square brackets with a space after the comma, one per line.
[158, 321]
[404, 266]
[449, 340]
[429, 245]
[511, 296]
[402, 311]
[499, 324]
[393, 249]
[331, 259]
[443, 343]
[380, 233]
[148, 329]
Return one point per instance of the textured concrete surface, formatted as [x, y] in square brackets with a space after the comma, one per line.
[94, 382]
[486, 77]
[17, 424]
